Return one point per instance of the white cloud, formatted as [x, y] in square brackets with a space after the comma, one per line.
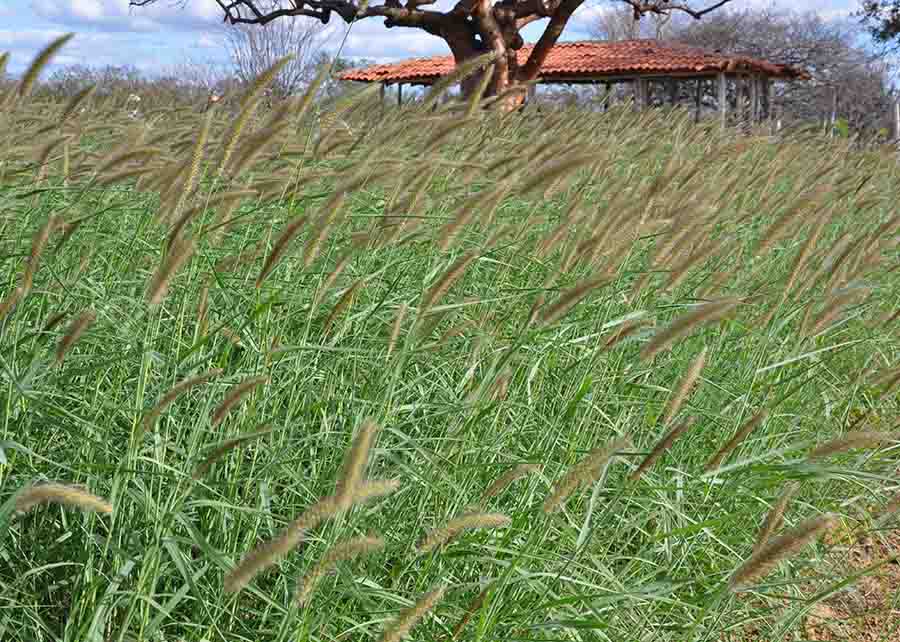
[118, 15]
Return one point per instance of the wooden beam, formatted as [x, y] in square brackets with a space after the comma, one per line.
[765, 98]
[754, 99]
[722, 85]
[698, 100]
[672, 90]
[400, 95]
[644, 85]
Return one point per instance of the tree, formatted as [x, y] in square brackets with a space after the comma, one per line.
[470, 28]
[619, 23]
[254, 48]
[882, 17]
[826, 49]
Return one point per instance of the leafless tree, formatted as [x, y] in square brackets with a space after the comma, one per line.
[618, 22]
[827, 49]
[470, 27]
[254, 48]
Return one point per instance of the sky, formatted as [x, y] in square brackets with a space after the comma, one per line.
[171, 32]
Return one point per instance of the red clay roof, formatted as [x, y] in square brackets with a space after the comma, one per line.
[590, 60]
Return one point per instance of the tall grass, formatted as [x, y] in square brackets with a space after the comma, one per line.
[506, 299]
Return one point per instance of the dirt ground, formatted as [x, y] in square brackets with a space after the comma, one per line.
[866, 611]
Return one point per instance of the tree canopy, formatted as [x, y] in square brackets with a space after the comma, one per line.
[470, 28]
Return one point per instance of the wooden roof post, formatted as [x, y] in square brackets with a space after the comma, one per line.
[698, 99]
[754, 98]
[399, 94]
[672, 87]
[722, 82]
[765, 98]
[642, 93]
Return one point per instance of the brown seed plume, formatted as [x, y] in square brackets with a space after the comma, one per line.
[268, 553]
[234, 396]
[775, 516]
[585, 471]
[510, 476]
[736, 440]
[73, 333]
[684, 324]
[684, 388]
[63, 494]
[217, 453]
[855, 439]
[408, 618]
[354, 467]
[441, 536]
[179, 389]
[178, 255]
[395, 330]
[571, 297]
[777, 549]
[664, 444]
[337, 553]
[279, 248]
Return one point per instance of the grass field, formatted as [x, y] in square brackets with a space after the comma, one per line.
[475, 294]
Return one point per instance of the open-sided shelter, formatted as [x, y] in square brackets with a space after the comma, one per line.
[645, 64]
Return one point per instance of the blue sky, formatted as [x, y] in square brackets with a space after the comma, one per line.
[172, 31]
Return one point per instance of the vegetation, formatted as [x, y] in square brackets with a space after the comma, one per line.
[461, 374]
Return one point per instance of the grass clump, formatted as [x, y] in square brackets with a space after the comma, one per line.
[504, 296]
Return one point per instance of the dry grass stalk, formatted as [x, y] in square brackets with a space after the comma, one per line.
[248, 106]
[222, 450]
[513, 474]
[474, 606]
[279, 248]
[333, 277]
[395, 330]
[571, 297]
[245, 256]
[179, 389]
[684, 388]
[38, 243]
[354, 467]
[342, 303]
[73, 333]
[664, 444]
[585, 471]
[118, 160]
[74, 102]
[748, 427]
[202, 310]
[407, 619]
[322, 226]
[52, 321]
[62, 494]
[234, 396]
[442, 536]
[7, 304]
[835, 306]
[624, 331]
[179, 253]
[446, 280]
[337, 553]
[31, 74]
[775, 516]
[269, 552]
[778, 548]
[681, 326]
[854, 439]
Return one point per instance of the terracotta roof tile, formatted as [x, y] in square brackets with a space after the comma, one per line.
[577, 60]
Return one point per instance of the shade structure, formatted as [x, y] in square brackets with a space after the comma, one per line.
[594, 61]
